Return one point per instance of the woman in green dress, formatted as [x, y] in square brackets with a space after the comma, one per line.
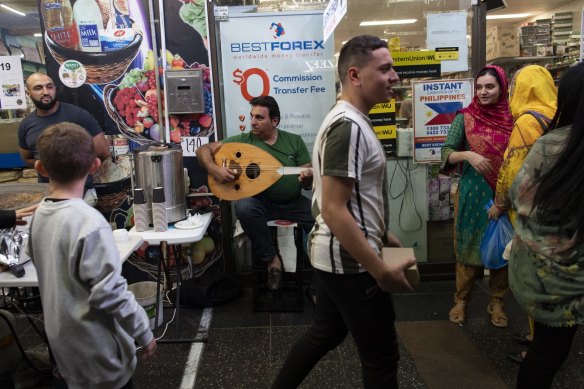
[546, 264]
[477, 139]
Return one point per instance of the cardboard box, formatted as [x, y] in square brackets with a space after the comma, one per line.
[502, 49]
[390, 254]
[441, 241]
[500, 34]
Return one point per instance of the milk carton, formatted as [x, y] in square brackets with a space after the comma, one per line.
[89, 23]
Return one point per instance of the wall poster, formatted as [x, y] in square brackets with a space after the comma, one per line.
[12, 95]
[101, 57]
[435, 106]
[282, 55]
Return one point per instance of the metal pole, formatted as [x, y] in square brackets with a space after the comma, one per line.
[479, 35]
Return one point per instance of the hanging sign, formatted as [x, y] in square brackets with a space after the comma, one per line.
[283, 56]
[382, 118]
[435, 106]
[12, 95]
[414, 64]
[333, 14]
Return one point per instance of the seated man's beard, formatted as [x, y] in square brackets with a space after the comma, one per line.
[44, 106]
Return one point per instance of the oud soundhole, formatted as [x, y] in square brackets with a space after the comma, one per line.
[252, 171]
[236, 187]
[238, 154]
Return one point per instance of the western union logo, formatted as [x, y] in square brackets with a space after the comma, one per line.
[386, 132]
[409, 58]
[383, 107]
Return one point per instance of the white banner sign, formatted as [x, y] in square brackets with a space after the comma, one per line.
[12, 95]
[448, 30]
[435, 106]
[333, 14]
[283, 56]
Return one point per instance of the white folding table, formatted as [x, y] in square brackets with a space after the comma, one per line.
[175, 236]
[30, 279]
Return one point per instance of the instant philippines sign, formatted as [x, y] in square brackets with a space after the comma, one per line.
[284, 56]
[435, 106]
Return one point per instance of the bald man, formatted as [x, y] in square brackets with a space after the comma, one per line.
[41, 89]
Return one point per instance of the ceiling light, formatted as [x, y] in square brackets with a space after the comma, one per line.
[507, 16]
[38, 34]
[387, 22]
[12, 10]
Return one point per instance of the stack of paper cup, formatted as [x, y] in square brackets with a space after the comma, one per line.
[140, 211]
[159, 217]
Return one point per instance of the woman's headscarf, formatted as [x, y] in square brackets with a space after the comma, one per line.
[488, 127]
[533, 89]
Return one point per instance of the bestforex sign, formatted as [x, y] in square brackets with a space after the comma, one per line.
[277, 44]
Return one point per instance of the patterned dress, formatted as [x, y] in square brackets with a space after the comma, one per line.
[470, 220]
[546, 266]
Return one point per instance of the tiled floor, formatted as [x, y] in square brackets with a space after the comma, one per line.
[246, 349]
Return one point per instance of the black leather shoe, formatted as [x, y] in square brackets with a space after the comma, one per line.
[521, 339]
[274, 281]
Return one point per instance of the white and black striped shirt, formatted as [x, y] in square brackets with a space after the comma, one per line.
[346, 146]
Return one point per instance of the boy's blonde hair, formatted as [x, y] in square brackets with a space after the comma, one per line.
[66, 152]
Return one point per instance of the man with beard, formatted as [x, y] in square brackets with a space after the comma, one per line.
[283, 200]
[42, 91]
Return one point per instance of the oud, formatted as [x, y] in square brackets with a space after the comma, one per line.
[255, 170]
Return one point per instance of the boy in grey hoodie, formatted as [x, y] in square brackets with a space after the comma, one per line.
[91, 319]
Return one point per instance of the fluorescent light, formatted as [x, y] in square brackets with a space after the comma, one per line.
[507, 16]
[12, 10]
[38, 34]
[387, 22]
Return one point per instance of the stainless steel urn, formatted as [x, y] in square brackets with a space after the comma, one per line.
[161, 164]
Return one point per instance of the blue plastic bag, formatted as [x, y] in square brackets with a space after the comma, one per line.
[497, 235]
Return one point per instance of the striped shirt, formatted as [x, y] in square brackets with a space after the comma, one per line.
[346, 146]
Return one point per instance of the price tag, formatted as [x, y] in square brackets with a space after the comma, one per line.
[12, 95]
[190, 144]
[221, 13]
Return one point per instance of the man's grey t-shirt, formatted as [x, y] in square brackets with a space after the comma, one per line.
[31, 127]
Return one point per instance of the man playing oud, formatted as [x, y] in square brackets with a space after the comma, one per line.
[283, 200]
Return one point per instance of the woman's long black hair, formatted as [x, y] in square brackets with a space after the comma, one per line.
[560, 194]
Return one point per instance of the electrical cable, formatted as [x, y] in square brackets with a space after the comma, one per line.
[406, 171]
[409, 181]
[30, 320]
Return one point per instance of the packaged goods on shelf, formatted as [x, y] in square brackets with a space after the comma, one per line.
[502, 49]
[545, 23]
[544, 50]
[528, 51]
[498, 34]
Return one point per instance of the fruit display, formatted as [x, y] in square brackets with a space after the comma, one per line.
[135, 102]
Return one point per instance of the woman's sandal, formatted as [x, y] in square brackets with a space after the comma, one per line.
[457, 314]
[498, 315]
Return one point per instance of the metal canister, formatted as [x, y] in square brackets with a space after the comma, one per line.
[161, 165]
